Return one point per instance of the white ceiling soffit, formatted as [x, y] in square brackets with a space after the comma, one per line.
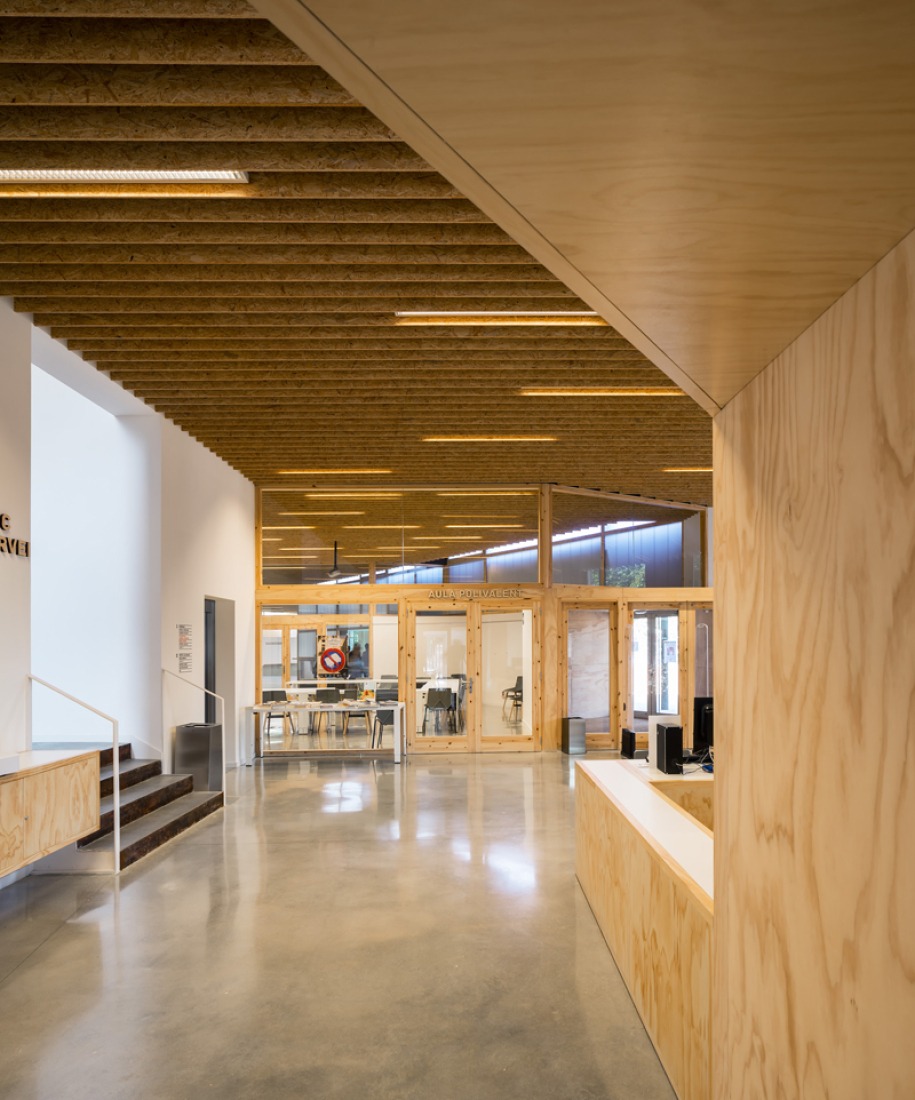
[710, 178]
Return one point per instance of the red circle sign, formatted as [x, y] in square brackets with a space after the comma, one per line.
[332, 660]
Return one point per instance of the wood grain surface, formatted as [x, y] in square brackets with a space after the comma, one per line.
[815, 730]
[659, 929]
[689, 169]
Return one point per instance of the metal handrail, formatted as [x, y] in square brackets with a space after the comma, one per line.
[222, 706]
[116, 778]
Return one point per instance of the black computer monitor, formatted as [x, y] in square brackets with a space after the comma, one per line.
[703, 723]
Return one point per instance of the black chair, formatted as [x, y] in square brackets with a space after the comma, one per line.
[512, 698]
[439, 701]
[281, 712]
[459, 705]
[326, 697]
[352, 692]
[383, 717]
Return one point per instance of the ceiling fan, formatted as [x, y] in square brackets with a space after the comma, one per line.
[334, 571]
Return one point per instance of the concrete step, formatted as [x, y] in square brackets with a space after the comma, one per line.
[139, 799]
[144, 835]
[131, 772]
[124, 753]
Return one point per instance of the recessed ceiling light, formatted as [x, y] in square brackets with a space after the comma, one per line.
[292, 528]
[381, 526]
[687, 469]
[497, 317]
[298, 473]
[481, 526]
[320, 513]
[105, 175]
[460, 538]
[353, 496]
[606, 391]
[489, 439]
[485, 493]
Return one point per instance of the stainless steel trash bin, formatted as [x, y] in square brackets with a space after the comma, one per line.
[573, 736]
[198, 752]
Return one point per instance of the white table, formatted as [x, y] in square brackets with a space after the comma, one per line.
[357, 707]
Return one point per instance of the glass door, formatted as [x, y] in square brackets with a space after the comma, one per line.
[473, 672]
[589, 680]
[507, 695]
[655, 665]
[439, 691]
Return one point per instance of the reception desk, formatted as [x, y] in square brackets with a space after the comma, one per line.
[644, 859]
[48, 799]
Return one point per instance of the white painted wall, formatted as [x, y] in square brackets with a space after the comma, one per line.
[15, 494]
[96, 567]
[207, 550]
[172, 525]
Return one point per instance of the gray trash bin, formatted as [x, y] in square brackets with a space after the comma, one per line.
[573, 736]
[198, 752]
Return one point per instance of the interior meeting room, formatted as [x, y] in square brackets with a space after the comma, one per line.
[456, 550]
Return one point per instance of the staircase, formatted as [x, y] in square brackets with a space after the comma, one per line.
[154, 807]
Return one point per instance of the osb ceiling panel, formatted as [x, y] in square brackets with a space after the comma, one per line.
[260, 316]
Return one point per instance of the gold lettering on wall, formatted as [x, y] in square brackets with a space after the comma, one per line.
[19, 548]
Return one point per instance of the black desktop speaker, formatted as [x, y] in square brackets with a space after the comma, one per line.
[670, 749]
[628, 746]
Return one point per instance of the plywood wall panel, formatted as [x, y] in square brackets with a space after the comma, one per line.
[815, 731]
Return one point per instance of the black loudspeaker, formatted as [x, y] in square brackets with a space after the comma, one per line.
[628, 746]
[670, 749]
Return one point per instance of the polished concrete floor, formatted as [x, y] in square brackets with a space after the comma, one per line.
[343, 930]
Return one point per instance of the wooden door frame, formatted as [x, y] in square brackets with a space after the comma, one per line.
[472, 740]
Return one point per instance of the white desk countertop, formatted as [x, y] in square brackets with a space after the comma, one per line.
[38, 758]
[666, 827]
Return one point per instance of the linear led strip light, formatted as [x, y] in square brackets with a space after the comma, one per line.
[497, 317]
[104, 175]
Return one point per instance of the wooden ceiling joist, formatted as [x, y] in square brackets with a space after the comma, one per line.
[173, 42]
[61, 85]
[347, 328]
[197, 124]
[444, 295]
[233, 156]
[299, 211]
[251, 233]
[132, 9]
[245, 255]
[161, 356]
[118, 307]
[268, 273]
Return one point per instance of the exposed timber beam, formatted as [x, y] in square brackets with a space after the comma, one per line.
[146, 42]
[61, 85]
[197, 124]
[376, 272]
[239, 254]
[300, 211]
[238, 156]
[254, 233]
[444, 295]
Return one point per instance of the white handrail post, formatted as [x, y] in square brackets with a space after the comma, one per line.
[116, 793]
[115, 761]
